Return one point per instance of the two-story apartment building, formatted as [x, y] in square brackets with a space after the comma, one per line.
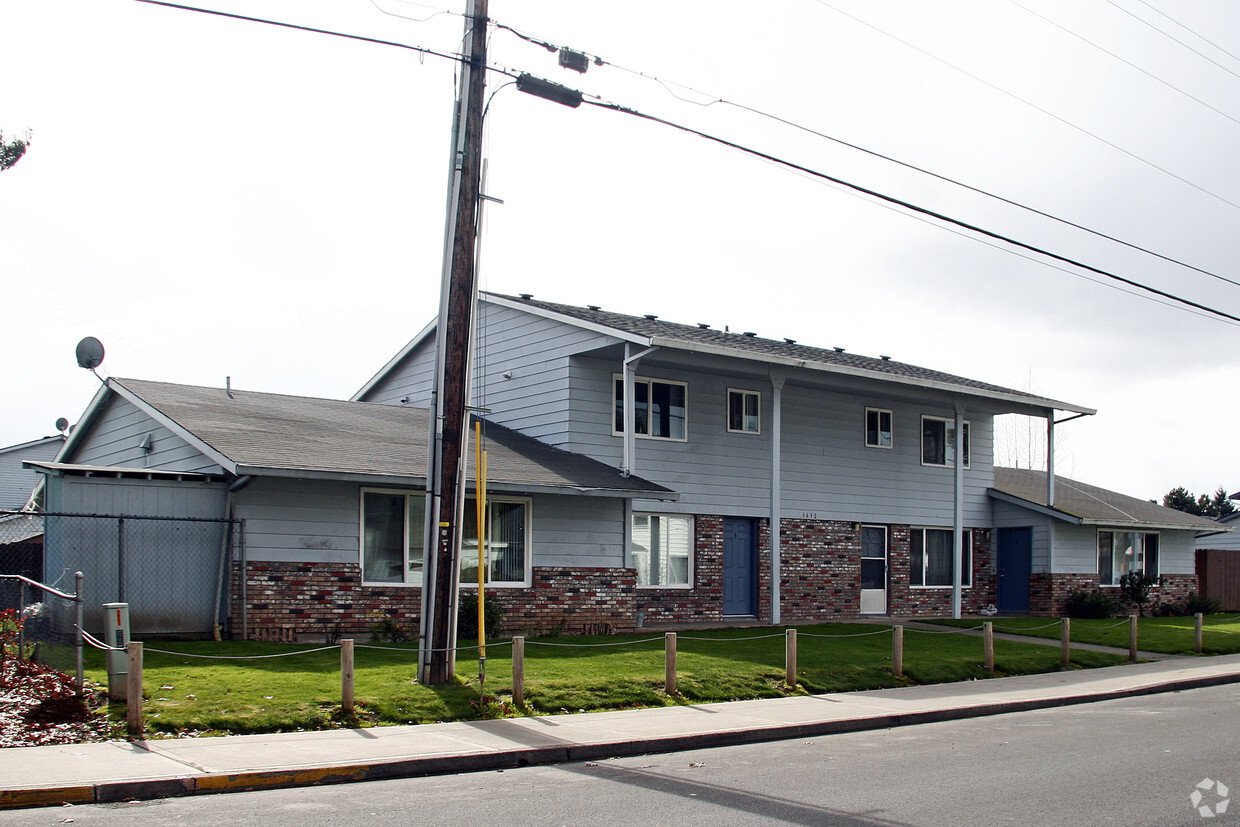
[643, 472]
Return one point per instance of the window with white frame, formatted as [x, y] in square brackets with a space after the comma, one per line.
[877, 428]
[1120, 552]
[658, 408]
[743, 411]
[663, 549]
[931, 558]
[393, 524]
[506, 550]
[938, 441]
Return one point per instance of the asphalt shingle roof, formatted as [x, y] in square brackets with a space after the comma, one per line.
[277, 433]
[746, 345]
[1095, 505]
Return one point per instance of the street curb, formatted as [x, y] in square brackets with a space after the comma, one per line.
[210, 783]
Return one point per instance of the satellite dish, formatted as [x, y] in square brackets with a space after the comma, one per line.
[62, 424]
[89, 353]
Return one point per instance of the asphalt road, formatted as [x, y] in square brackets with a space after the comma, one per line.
[1131, 762]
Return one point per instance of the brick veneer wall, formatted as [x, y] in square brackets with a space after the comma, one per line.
[819, 570]
[304, 601]
[1049, 592]
[704, 602]
[908, 601]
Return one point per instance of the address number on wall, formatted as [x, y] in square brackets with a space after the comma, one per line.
[809, 515]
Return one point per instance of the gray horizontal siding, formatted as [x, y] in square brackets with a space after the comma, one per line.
[114, 438]
[577, 531]
[413, 378]
[300, 520]
[827, 471]
[17, 483]
[147, 498]
[1076, 550]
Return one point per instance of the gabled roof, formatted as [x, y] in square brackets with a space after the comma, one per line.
[267, 434]
[35, 443]
[650, 331]
[1077, 502]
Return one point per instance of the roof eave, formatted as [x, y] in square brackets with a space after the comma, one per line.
[1035, 507]
[1030, 402]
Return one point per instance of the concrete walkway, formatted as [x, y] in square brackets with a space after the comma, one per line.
[121, 770]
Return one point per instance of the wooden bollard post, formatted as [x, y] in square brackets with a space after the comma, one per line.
[669, 666]
[897, 651]
[790, 658]
[1132, 638]
[346, 676]
[1065, 642]
[133, 689]
[518, 671]
[1198, 632]
[988, 646]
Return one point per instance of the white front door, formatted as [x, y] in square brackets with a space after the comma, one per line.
[874, 570]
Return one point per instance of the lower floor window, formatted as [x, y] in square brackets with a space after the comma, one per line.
[662, 549]
[392, 536]
[931, 558]
[507, 559]
[1121, 552]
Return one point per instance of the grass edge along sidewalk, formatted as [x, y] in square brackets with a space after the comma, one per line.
[1166, 635]
[240, 687]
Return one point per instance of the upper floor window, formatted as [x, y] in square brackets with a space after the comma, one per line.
[938, 441]
[877, 428]
[1120, 552]
[392, 536]
[507, 550]
[658, 408]
[743, 411]
[930, 562]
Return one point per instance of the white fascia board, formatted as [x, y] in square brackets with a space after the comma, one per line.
[83, 423]
[1037, 508]
[174, 426]
[1034, 402]
[393, 362]
[1144, 525]
[594, 327]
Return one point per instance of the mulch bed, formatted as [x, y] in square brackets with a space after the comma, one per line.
[38, 706]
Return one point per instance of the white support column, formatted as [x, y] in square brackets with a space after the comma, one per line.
[629, 368]
[958, 510]
[1050, 459]
[777, 393]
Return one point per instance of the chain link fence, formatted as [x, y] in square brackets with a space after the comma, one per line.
[173, 572]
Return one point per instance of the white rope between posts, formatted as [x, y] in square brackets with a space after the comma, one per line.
[591, 645]
[854, 634]
[959, 631]
[730, 639]
[242, 657]
[1220, 619]
[1019, 629]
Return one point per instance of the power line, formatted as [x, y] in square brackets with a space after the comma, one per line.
[1193, 32]
[714, 99]
[1124, 61]
[300, 28]
[914, 208]
[1173, 38]
[1032, 105]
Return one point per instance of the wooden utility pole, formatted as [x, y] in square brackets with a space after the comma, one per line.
[454, 339]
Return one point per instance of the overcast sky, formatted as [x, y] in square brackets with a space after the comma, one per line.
[214, 198]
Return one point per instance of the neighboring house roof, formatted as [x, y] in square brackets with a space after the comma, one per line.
[17, 482]
[18, 528]
[650, 331]
[267, 434]
[1083, 504]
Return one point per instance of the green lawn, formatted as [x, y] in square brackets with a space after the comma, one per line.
[187, 694]
[1170, 635]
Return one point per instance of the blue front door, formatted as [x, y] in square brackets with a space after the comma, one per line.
[1015, 563]
[740, 566]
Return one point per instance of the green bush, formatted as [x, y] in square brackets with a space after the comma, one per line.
[1135, 587]
[1089, 604]
[467, 617]
[1200, 603]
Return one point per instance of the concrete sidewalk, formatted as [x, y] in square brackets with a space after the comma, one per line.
[121, 770]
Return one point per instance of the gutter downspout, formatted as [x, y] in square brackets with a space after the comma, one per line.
[629, 368]
[777, 387]
[958, 511]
